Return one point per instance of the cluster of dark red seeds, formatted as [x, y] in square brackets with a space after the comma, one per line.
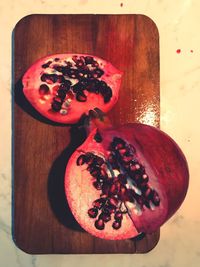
[87, 73]
[130, 184]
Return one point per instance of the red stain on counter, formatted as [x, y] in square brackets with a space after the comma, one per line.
[178, 51]
[191, 51]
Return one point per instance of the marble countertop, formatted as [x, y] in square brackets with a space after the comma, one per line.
[178, 24]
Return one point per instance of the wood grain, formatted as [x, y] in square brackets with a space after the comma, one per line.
[42, 220]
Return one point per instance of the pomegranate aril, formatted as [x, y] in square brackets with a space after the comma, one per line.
[98, 203]
[116, 225]
[156, 200]
[58, 100]
[98, 137]
[61, 93]
[106, 99]
[77, 87]
[103, 172]
[99, 161]
[149, 193]
[105, 188]
[113, 201]
[72, 73]
[89, 158]
[127, 159]
[91, 85]
[93, 212]
[97, 185]
[118, 141]
[44, 89]
[105, 216]
[58, 68]
[52, 78]
[110, 208]
[95, 64]
[75, 58]
[99, 224]
[89, 60]
[94, 173]
[56, 106]
[122, 151]
[65, 85]
[44, 77]
[147, 204]
[81, 160]
[81, 97]
[118, 216]
[97, 73]
[107, 96]
[79, 63]
[69, 64]
[112, 190]
[46, 65]
[145, 178]
[123, 191]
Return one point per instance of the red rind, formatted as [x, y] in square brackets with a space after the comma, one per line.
[164, 163]
[31, 82]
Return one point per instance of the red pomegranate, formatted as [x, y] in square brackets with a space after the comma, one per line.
[124, 181]
[63, 87]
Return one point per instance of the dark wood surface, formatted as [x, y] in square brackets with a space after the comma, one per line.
[42, 220]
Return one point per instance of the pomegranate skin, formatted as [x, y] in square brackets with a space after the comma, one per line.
[41, 100]
[164, 164]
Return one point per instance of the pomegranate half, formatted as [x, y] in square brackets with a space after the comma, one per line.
[124, 181]
[63, 87]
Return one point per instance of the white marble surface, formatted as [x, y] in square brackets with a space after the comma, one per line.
[178, 23]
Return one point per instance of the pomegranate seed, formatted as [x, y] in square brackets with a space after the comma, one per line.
[44, 66]
[81, 160]
[118, 216]
[113, 201]
[105, 216]
[119, 146]
[57, 100]
[118, 186]
[105, 188]
[122, 192]
[89, 60]
[99, 161]
[126, 159]
[97, 185]
[55, 89]
[98, 137]
[93, 212]
[44, 89]
[111, 209]
[81, 97]
[145, 178]
[56, 106]
[98, 203]
[116, 225]
[113, 189]
[122, 151]
[155, 199]
[99, 224]
[148, 193]
[94, 173]
[97, 73]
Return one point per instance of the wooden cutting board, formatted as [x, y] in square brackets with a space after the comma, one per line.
[43, 222]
